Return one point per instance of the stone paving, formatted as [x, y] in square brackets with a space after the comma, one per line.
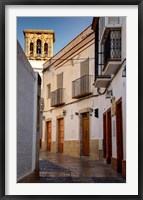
[58, 168]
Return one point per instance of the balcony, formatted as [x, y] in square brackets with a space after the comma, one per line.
[82, 87]
[107, 24]
[102, 81]
[57, 97]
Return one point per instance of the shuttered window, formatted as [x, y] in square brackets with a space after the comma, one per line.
[84, 68]
[49, 91]
[60, 80]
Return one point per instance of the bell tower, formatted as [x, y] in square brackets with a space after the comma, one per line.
[39, 48]
[39, 44]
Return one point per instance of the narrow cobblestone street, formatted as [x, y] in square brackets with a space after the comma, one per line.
[58, 168]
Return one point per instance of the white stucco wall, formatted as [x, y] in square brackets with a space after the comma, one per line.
[119, 90]
[26, 115]
[71, 72]
[37, 66]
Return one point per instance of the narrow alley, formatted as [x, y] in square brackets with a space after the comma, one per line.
[58, 168]
[74, 105]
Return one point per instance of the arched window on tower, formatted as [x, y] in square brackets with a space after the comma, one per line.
[31, 48]
[46, 49]
[39, 47]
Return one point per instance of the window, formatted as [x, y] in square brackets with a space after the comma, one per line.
[112, 47]
[45, 48]
[38, 46]
[49, 91]
[84, 67]
[60, 80]
[31, 48]
[113, 20]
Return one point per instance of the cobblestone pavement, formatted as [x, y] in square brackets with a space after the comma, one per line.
[58, 168]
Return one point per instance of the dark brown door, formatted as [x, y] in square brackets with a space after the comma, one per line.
[49, 136]
[60, 135]
[104, 135]
[108, 137]
[85, 136]
[119, 135]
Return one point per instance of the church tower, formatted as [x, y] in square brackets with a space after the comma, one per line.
[38, 47]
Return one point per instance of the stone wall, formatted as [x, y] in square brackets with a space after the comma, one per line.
[72, 148]
[53, 147]
[94, 149]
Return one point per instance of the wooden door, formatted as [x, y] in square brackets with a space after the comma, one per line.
[104, 135]
[108, 137]
[85, 136]
[49, 136]
[60, 135]
[119, 135]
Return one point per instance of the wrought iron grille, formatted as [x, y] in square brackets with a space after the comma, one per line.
[112, 48]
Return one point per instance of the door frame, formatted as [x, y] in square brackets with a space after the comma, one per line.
[104, 135]
[109, 136]
[119, 134]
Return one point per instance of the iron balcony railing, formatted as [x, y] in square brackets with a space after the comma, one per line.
[57, 97]
[82, 87]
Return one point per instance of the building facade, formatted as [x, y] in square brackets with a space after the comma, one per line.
[28, 119]
[69, 99]
[84, 91]
[110, 81]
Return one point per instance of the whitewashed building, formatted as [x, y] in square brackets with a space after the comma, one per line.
[28, 119]
[84, 91]
[110, 81]
[69, 99]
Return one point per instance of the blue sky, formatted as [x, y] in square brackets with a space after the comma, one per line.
[65, 28]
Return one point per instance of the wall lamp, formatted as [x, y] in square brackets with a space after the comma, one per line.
[124, 71]
[109, 94]
[64, 112]
[90, 111]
